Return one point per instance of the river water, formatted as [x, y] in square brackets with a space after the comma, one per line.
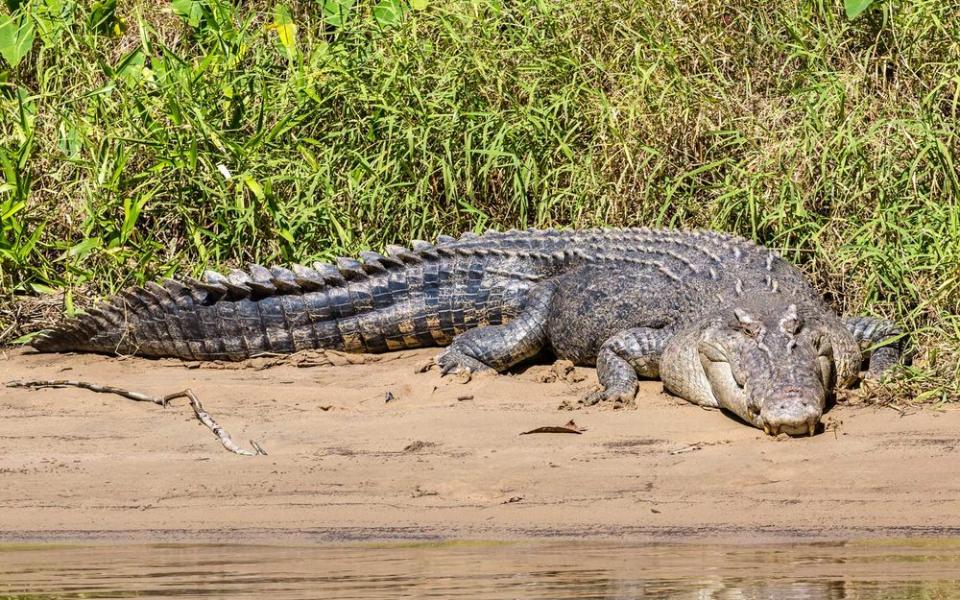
[864, 570]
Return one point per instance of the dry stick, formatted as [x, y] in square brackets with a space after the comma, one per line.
[202, 415]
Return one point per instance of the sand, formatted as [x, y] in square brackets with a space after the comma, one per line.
[442, 459]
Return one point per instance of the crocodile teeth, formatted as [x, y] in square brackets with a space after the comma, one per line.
[812, 427]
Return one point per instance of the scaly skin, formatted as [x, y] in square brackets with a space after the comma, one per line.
[723, 322]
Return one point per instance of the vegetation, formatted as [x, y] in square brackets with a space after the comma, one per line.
[149, 137]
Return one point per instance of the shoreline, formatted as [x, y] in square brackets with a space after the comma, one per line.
[731, 536]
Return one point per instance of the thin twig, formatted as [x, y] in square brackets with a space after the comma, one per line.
[202, 415]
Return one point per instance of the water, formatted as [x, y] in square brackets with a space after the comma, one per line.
[864, 570]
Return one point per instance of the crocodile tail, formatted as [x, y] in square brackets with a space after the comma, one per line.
[405, 298]
[244, 313]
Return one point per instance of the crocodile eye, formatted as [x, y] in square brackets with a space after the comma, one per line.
[750, 329]
[746, 324]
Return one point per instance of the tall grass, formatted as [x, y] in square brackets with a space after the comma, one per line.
[177, 136]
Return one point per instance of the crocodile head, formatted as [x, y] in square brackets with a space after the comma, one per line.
[771, 366]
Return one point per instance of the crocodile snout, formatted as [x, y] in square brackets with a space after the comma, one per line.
[792, 410]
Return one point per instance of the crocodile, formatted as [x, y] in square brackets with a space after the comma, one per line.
[722, 321]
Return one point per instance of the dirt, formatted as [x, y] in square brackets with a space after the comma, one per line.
[443, 458]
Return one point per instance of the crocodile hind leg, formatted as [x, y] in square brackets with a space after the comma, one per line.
[881, 341]
[499, 347]
[624, 357]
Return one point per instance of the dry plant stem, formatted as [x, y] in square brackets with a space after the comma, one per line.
[202, 415]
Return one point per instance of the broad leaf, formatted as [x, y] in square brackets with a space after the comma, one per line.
[855, 7]
[388, 13]
[336, 12]
[16, 38]
[52, 17]
[286, 29]
[130, 67]
[190, 10]
[83, 248]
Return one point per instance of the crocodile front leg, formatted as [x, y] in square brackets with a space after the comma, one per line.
[884, 337]
[622, 358]
[499, 347]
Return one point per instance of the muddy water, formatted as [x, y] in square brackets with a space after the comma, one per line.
[863, 570]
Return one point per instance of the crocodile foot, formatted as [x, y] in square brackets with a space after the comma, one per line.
[452, 360]
[617, 397]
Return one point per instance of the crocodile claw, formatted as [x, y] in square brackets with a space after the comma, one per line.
[450, 368]
[616, 397]
[454, 361]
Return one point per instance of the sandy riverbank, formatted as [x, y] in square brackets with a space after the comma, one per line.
[443, 459]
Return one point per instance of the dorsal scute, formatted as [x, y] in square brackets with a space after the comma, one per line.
[180, 289]
[259, 280]
[134, 300]
[176, 288]
[259, 273]
[403, 254]
[106, 317]
[387, 262]
[374, 262]
[212, 277]
[308, 279]
[420, 245]
[350, 268]
[236, 283]
[205, 292]
[425, 250]
[284, 280]
[330, 274]
[282, 274]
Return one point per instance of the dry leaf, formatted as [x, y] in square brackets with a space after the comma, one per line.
[570, 427]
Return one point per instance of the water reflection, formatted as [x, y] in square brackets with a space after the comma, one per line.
[924, 569]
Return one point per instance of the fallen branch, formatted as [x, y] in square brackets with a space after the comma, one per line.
[692, 448]
[202, 415]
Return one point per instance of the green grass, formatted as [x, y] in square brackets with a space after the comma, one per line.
[835, 142]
